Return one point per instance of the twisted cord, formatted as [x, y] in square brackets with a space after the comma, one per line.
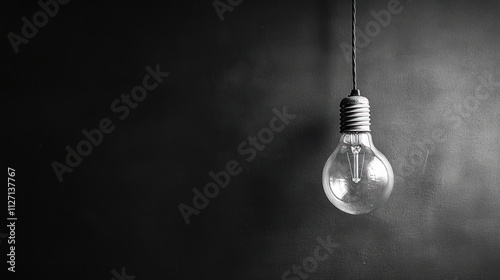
[354, 84]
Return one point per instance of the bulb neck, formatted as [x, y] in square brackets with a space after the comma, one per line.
[354, 113]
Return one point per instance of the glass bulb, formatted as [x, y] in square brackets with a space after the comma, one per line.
[357, 178]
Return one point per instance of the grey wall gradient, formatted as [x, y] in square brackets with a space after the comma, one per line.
[119, 208]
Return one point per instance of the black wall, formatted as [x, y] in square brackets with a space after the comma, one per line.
[432, 75]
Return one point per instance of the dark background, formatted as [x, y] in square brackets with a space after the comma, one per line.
[119, 207]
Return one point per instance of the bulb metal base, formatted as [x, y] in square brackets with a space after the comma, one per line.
[354, 113]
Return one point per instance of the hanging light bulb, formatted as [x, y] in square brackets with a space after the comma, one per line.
[357, 178]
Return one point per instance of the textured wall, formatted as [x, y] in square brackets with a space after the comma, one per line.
[431, 72]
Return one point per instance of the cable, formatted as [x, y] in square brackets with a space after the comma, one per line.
[354, 84]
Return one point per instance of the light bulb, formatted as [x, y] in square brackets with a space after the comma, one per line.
[357, 178]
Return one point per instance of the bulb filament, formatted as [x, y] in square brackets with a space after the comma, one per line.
[356, 177]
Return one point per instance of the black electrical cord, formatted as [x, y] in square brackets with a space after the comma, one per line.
[354, 84]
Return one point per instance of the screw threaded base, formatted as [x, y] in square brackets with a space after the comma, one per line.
[354, 114]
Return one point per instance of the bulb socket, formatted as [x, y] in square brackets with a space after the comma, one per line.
[354, 113]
